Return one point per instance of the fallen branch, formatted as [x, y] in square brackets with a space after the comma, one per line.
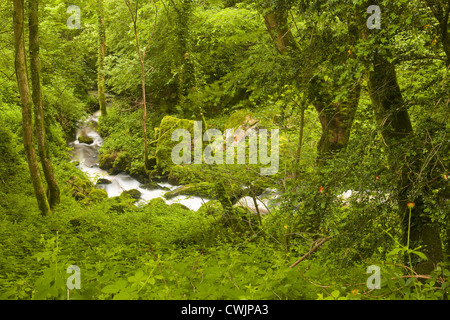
[317, 244]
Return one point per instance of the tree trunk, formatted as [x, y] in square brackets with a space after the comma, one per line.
[276, 24]
[442, 14]
[24, 91]
[144, 117]
[141, 55]
[398, 136]
[101, 58]
[52, 183]
[300, 140]
[336, 119]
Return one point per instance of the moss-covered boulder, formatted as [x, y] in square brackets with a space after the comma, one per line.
[133, 193]
[80, 187]
[106, 160]
[164, 143]
[96, 195]
[201, 189]
[114, 162]
[103, 181]
[243, 119]
[157, 202]
[179, 206]
[121, 204]
[85, 139]
[152, 185]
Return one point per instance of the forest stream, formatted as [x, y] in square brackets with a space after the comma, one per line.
[87, 156]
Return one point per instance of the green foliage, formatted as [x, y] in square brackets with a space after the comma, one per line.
[216, 62]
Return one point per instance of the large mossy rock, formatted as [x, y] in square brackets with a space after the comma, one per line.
[133, 193]
[157, 202]
[152, 185]
[85, 139]
[179, 206]
[96, 196]
[114, 162]
[121, 204]
[80, 187]
[103, 181]
[164, 144]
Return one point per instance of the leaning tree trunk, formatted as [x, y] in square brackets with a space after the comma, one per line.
[101, 58]
[24, 91]
[53, 188]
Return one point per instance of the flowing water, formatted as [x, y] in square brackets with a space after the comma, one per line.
[87, 156]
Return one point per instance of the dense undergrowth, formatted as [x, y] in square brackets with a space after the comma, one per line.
[168, 252]
[160, 251]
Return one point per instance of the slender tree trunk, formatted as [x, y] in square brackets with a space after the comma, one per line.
[133, 14]
[24, 90]
[144, 116]
[187, 70]
[101, 58]
[52, 183]
[300, 140]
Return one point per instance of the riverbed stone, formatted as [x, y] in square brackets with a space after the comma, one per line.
[133, 193]
[122, 204]
[85, 139]
[152, 185]
[201, 189]
[179, 206]
[103, 181]
[114, 162]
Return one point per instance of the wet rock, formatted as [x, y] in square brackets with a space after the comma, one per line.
[133, 193]
[121, 204]
[201, 189]
[115, 162]
[152, 185]
[103, 181]
[85, 139]
[165, 144]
